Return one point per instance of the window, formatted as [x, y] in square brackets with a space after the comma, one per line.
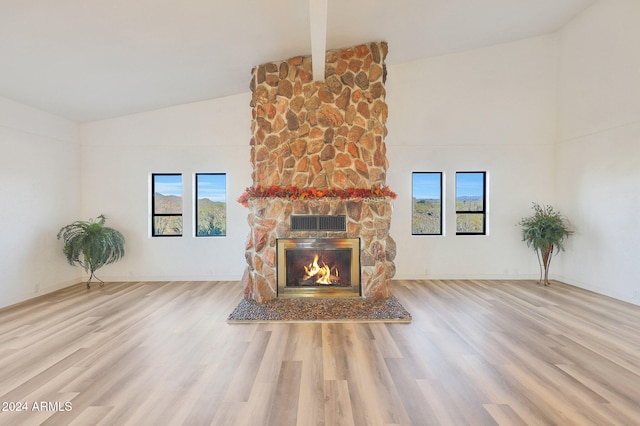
[211, 204]
[166, 205]
[426, 212]
[471, 203]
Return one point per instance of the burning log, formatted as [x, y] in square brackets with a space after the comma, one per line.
[322, 275]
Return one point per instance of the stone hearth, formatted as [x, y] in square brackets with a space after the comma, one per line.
[310, 138]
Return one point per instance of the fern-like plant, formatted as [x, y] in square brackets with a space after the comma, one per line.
[544, 232]
[91, 245]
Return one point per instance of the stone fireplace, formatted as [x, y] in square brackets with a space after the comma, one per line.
[319, 157]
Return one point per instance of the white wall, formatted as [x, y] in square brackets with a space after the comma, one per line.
[118, 157]
[490, 109]
[39, 193]
[598, 149]
[553, 119]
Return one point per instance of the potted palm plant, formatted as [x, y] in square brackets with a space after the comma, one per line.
[91, 245]
[545, 232]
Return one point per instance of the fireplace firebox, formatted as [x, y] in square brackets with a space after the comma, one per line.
[311, 267]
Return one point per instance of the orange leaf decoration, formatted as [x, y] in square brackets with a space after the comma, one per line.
[295, 193]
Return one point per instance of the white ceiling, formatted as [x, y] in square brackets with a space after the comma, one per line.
[93, 59]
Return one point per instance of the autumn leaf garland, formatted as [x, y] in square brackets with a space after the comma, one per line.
[295, 193]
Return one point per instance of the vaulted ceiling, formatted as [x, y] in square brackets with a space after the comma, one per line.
[94, 59]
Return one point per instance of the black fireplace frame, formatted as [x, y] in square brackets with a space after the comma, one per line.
[284, 244]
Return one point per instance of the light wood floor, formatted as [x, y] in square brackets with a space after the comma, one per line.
[477, 353]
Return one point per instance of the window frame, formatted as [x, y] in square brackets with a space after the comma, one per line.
[154, 214]
[196, 200]
[483, 212]
[442, 221]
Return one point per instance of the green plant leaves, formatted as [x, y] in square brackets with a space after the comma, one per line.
[90, 244]
[545, 228]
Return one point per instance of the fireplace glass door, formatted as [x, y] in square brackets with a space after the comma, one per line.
[309, 267]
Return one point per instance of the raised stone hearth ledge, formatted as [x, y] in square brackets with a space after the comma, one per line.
[325, 309]
[367, 219]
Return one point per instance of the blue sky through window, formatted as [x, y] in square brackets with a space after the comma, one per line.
[168, 184]
[469, 185]
[212, 186]
[426, 186]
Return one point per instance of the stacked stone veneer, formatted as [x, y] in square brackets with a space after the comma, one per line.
[320, 135]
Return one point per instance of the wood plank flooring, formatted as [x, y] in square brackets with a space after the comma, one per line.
[476, 353]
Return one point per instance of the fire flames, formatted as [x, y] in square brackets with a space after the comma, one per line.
[324, 274]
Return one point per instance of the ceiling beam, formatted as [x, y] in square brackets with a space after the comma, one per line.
[318, 21]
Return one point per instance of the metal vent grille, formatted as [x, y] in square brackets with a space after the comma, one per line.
[318, 223]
